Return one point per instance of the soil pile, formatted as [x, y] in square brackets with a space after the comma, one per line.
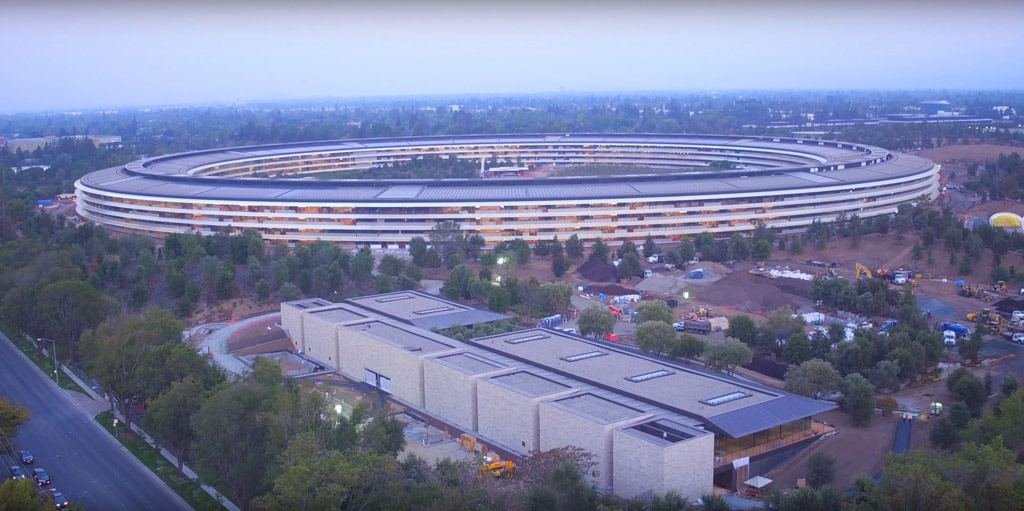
[662, 284]
[747, 293]
[610, 290]
[596, 271]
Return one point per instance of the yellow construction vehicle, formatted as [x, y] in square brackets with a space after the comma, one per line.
[1000, 287]
[993, 322]
[863, 269]
[496, 467]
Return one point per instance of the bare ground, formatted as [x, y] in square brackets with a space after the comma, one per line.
[857, 451]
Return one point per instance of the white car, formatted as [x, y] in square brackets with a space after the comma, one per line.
[1018, 338]
[653, 259]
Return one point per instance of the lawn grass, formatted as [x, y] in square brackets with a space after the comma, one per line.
[185, 487]
[44, 363]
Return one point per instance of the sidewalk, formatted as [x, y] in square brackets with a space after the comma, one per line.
[101, 405]
[215, 343]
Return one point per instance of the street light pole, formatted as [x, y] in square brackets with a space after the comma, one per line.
[56, 369]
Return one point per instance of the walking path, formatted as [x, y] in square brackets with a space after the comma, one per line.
[215, 344]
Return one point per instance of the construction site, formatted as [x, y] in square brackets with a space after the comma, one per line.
[653, 425]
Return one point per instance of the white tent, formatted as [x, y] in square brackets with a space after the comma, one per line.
[758, 482]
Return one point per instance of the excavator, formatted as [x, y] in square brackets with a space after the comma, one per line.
[863, 269]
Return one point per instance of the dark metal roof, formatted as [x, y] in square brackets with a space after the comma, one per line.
[761, 416]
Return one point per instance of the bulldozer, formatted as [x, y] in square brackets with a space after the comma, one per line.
[999, 287]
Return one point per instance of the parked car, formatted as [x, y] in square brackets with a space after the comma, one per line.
[16, 473]
[41, 477]
[26, 457]
[612, 338]
[1018, 338]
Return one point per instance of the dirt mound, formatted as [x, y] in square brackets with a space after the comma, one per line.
[714, 268]
[596, 271]
[663, 284]
[610, 290]
[747, 293]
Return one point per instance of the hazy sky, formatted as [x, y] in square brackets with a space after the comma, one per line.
[84, 54]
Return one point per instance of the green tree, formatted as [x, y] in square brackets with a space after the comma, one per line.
[687, 346]
[813, 378]
[67, 308]
[262, 290]
[456, 286]
[742, 327]
[686, 251]
[970, 347]
[598, 251]
[797, 349]
[499, 299]
[289, 292]
[821, 469]
[115, 351]
[726, 355]
[314, 478]
[226, 281]
[574, 247]
[654, 310]
[559, 264]
[361, 267]
[169, 416]
[630, 266]
[1010, 385]
[943, 434]
[391, 265]
[959, 415]
[20, 495]
[596, 322]
[521, 249]
[885, 375]
[655, 337]
[418, 249]
[859, 399]
[448, 239]
[671, 501]
[12, 416]
[650, 247]
[236, 441]
[967, 388]
[713, 502]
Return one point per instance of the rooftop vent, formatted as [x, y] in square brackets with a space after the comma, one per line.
[732, 396]
[649, 376]
[432, 310]
[520, 340]
[584, 356]
[387, 299]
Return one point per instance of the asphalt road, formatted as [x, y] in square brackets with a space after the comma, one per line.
[83, 460]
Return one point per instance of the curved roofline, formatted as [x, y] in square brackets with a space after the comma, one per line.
[182, 172]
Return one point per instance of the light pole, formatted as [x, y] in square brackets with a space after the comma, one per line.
[56, 370]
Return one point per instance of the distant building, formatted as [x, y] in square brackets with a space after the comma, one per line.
[935, 106]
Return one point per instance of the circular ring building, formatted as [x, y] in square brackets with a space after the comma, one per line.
[724, 184]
